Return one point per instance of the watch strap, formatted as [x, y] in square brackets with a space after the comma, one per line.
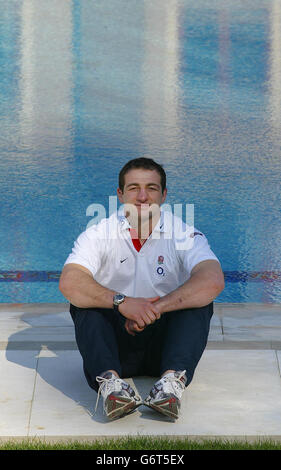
[116, 308]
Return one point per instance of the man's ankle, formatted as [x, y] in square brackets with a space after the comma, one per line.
[167, 372]
[110, 371]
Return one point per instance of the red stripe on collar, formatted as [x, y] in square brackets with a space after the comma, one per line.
[136, 242]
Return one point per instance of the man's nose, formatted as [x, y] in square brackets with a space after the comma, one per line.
[142, 195]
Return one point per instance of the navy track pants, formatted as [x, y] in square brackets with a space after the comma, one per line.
[176, 341]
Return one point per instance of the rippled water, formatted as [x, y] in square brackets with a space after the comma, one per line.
[86, 85]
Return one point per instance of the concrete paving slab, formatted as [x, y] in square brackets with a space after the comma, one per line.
[63, 401]
[43, 334]
[22, 327]
[216, 332]
[251, 334]
[236, 390]
[31, 326]
[16, 392]
[10, 323]
[251, 322]
[249, 308]
[242, 345]
[37, 308]
[59, 319]
[233, 393]
[252, 319]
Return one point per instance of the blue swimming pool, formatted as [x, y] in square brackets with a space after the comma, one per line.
[86, 85]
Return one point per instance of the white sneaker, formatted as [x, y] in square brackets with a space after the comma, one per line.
[166, 394]
[119, 398]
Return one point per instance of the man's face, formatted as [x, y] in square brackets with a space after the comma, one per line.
[143, 189]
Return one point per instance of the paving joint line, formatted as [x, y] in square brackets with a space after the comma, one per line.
[278, 363]
[33, 394]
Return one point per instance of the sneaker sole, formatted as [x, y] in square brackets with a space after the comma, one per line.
[116, 407]
[168, 407]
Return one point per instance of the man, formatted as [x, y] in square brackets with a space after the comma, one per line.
[141, 293]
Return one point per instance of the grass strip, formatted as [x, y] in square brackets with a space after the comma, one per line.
[140, 443]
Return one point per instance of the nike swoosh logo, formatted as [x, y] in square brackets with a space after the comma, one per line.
[122, 260]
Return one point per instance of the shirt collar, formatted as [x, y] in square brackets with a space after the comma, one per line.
[125, 224]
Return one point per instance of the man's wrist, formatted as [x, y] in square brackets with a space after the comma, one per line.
[160, 304]
[118, 299]
[122, 305]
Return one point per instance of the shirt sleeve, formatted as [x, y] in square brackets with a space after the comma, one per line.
[86, 251]
[198, 251]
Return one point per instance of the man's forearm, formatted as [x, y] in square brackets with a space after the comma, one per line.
[200, 290]
[83, 291]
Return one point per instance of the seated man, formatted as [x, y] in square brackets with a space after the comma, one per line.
[141, 293]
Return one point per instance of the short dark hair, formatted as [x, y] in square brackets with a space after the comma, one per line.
[146, 164]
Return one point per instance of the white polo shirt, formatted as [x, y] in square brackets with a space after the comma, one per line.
[164, 262]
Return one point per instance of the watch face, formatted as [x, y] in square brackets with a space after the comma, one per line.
[118, 299]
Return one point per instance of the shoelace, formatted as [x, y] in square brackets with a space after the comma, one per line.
[113, 384]
[107, 386]
[173, 384]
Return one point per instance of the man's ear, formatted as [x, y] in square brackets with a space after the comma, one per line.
[120, 195]
[164, 195]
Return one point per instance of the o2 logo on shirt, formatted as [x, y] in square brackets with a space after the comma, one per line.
[160, 271]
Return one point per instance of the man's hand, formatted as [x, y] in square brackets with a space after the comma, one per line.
[140, 310]
[132, 328]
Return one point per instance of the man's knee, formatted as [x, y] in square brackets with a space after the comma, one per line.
[91, 322]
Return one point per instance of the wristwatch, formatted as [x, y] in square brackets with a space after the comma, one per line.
[117, 300]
